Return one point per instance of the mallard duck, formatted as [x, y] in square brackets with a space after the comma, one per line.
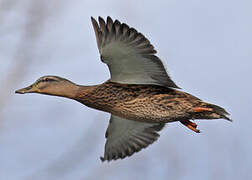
[140, 95]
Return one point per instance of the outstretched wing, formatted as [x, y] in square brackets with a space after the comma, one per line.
[129, 55]
[125, 137]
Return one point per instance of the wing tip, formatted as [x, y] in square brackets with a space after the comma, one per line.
[100, 19]
[109, 18]
[94, 22]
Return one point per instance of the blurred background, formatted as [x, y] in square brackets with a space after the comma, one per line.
[206, 47]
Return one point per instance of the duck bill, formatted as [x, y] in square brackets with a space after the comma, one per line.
[29, 89]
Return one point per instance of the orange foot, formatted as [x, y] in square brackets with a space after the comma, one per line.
[190, 125]
[201, 109]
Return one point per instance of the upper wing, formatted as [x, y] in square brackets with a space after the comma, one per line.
[129, 55]
[125, 137]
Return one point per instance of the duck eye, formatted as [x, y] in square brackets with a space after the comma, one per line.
[49, 80]
[46, 80]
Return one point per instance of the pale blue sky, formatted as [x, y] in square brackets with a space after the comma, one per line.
[206, 47]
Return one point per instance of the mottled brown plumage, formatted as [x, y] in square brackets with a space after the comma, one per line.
[140, 95]
[148, 103]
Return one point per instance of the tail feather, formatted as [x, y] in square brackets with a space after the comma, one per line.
[220, 111]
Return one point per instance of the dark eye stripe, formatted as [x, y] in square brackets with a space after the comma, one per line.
[46, 80]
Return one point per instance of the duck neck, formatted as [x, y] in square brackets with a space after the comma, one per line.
[80, 92]
[86, 95]
[69, 91]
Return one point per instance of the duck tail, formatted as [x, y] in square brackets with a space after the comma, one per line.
[220, 111]
[211, 111]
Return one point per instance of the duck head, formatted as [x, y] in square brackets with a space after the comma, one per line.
[51, 85]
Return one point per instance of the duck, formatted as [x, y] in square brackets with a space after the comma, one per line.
[140, 95]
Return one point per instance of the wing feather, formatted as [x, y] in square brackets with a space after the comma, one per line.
[125, 137]
[129, 54]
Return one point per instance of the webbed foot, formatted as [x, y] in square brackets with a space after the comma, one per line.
[190, 125]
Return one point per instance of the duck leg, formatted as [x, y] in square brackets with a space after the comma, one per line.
[190, 125]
